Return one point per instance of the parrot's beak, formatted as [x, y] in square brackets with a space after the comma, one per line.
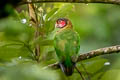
[56, 25]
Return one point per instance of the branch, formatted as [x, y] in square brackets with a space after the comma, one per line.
[91, 54]
[79, 73]
[98, 52]
[73, 1]
[34, 22]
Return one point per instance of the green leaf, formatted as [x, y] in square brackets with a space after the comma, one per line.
[62, 12]
[48, 15]
[13, 30]
[49, 26]
[22, 15]
[8, 51]
[46, 42]
[93, 65]
[113, 74]
[97, 76]
[28, 72]
[42, 42]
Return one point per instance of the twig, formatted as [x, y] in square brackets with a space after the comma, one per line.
[92, 54]
[73, 1]
[85, 70]
[80, 73]
[54, 66]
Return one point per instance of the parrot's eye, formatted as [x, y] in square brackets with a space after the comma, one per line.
[61, 23]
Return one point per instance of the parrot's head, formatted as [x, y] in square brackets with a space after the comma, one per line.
[62, 23]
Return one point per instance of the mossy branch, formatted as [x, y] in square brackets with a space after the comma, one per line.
[91, 54]
[73, 1]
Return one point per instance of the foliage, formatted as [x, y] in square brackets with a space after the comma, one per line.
[97, 25]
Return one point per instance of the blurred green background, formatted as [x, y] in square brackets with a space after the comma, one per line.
[97, 24]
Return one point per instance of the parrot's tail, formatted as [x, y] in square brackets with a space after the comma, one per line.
[67, 70]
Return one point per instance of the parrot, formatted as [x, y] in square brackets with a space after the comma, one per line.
[67, 45]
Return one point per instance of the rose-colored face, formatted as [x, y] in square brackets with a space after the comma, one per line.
[60, 23]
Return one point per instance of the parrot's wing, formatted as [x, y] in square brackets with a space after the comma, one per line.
[67, 44]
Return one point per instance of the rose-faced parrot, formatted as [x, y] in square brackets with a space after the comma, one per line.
[67, 45]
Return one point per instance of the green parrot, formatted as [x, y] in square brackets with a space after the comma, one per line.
[67, 45]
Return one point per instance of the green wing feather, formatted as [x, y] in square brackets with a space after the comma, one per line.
[67, 45]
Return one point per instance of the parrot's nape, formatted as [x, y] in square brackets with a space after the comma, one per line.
[67, 45]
